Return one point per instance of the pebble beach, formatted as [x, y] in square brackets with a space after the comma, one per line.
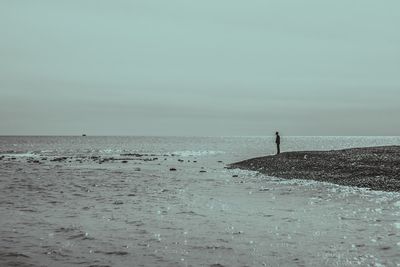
[377, 168]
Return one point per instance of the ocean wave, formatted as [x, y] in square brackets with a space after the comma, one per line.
[111, 151]
[18, 154]
[200, 153]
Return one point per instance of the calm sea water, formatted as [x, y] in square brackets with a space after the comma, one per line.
[113, 201]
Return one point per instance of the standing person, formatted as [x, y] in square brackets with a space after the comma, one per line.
[278, 143]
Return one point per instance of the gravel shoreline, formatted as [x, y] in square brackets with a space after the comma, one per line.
[377, 168]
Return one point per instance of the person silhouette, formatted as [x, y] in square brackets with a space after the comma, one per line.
[278, 143]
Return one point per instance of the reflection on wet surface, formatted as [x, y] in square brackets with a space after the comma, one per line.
[76, 211]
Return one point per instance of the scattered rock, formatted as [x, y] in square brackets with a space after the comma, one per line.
[172, 169]
[118, 202]
[235, 175]
[137, 169]
[133, 155]
[124, 161]
[203, 171]
[238, 233]
[59, 159]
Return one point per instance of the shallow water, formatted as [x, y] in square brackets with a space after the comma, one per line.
[74, 211]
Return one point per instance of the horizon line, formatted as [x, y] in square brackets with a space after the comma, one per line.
[208, 136]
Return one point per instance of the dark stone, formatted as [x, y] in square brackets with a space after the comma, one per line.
[133, 155]
[172, 169]
[59, 159]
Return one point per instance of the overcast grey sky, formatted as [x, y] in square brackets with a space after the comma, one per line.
[206, 67]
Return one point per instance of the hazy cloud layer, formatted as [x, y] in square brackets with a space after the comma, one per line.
[205, 67]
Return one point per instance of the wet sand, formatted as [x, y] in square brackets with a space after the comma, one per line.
[377, 168]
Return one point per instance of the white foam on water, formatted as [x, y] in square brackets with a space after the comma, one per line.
[21, 155]
[111, 151]
[189, 153]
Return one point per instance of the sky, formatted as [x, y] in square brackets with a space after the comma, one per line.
[203, 68]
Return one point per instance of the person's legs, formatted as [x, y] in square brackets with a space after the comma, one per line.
[278, 149]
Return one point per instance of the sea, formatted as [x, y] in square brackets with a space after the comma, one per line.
[172, 201]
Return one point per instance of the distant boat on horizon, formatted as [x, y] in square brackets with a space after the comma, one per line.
[83, 134]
